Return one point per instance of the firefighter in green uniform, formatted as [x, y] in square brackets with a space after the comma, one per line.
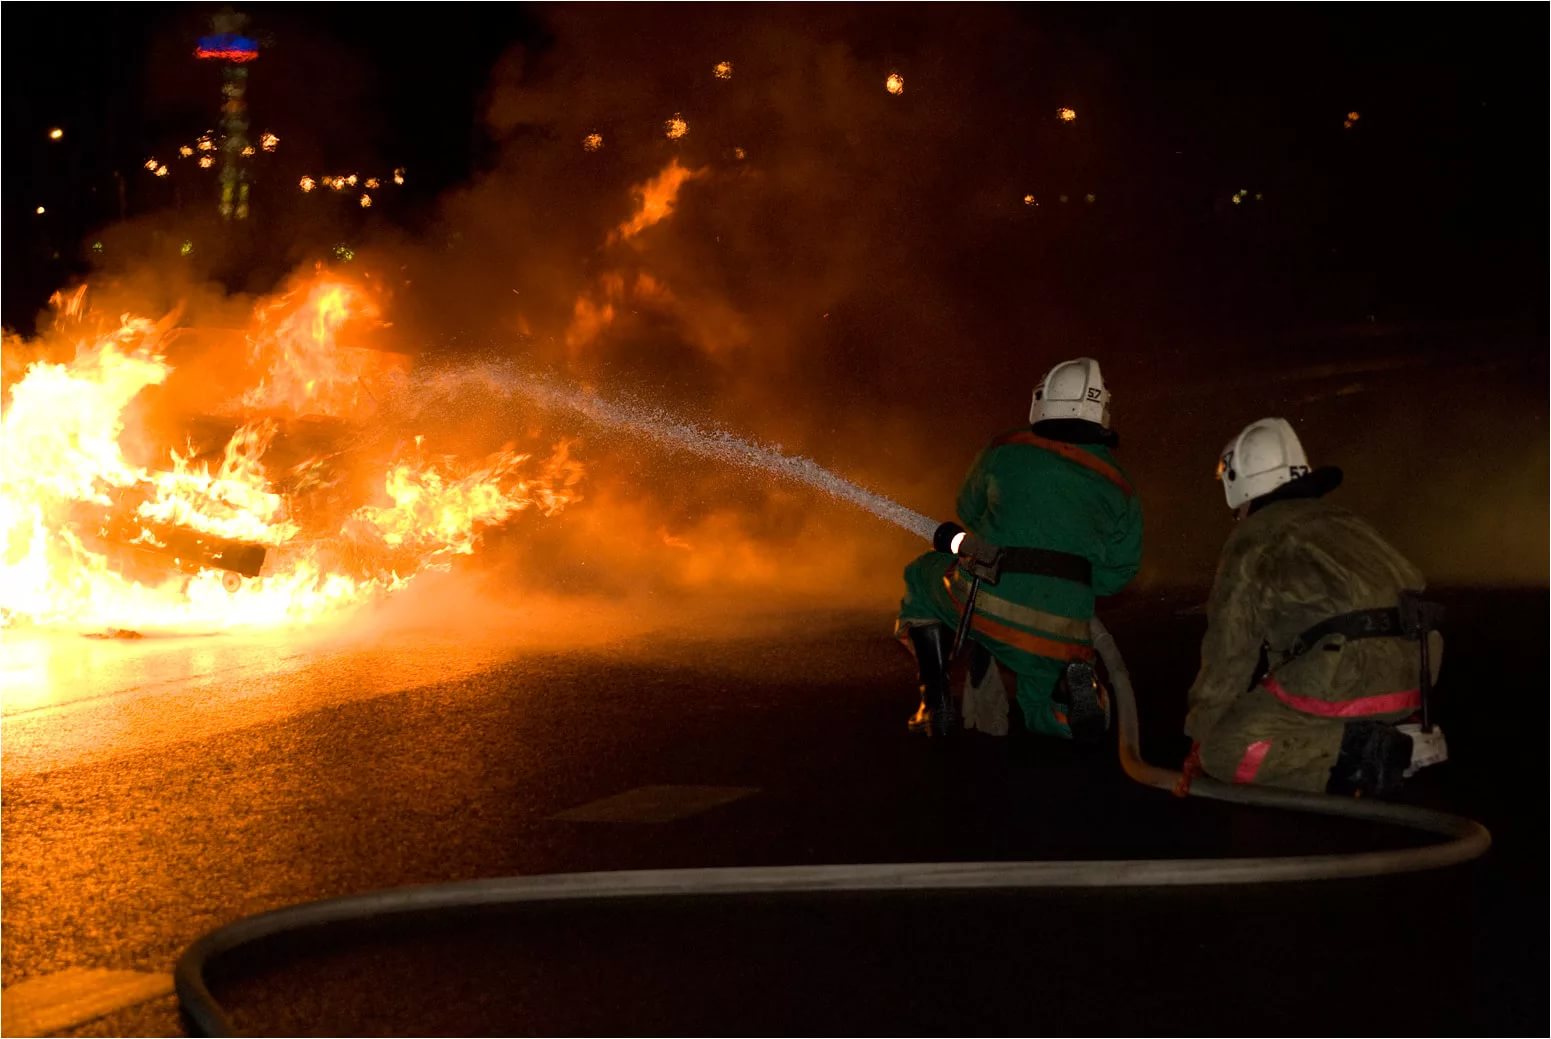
[1315, 637]
[1064, 525]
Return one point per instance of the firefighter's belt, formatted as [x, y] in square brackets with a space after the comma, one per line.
[1412, 619]
[1046, 562]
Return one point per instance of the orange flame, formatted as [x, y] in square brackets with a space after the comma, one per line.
[657, 197]
[306, 370]
[90, 538]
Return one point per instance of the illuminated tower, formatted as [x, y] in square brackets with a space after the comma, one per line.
[233, 50]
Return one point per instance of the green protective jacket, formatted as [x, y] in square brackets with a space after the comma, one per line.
[1029, 491]
[1288, 566]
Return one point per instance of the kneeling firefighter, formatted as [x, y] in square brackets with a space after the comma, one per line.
[1318, 644]
[1049, 521]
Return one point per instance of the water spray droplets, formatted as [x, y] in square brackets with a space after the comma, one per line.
[673, 432]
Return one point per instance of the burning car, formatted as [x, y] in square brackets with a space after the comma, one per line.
[144, 550]
[270, 484]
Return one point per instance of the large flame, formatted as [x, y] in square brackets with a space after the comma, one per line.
[102, 526]
[305, 368]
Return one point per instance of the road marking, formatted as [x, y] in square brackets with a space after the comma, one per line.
[54, 1002]
[655, 804]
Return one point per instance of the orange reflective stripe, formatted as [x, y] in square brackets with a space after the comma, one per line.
[1017, 613]
[1070, 452]
[1026, 641]
[1040, 647]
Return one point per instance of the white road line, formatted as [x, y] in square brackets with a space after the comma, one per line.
[54, 1002]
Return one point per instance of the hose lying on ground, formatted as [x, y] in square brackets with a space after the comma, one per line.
[1464, 840]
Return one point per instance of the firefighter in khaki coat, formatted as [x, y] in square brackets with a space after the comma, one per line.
[1313, 652]
[1064, 522]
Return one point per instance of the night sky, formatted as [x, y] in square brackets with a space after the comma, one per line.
[1435, 199]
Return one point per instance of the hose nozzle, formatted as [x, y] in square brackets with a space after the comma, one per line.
[948, 537]
[977, 557]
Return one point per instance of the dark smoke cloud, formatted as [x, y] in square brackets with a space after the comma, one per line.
[865, 285]
[808, 288]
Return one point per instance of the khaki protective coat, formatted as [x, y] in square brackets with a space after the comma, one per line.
[1288, 566]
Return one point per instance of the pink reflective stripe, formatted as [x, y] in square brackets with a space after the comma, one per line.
[1249, 764]
[1379, 703]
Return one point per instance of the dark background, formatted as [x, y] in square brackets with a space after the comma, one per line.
[1432, 206]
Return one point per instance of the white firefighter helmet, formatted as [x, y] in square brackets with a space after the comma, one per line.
[1260, 459]
[1072, 389]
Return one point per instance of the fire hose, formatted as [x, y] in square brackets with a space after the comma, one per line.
[1462, 840]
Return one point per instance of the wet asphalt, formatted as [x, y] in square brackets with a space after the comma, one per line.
[148, 811]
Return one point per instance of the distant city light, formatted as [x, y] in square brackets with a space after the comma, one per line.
[1066, 115]
[895, 84]
[722, 70]
[248, 150]
[676, 127]
[40, 210]
[592, 142]
[739, 154]
[186, 248]
[97, 247]
[1030, 200]
[1351, 119]
[55, 134]
[161, 171]
[373, 182]
[185, 151]
[398, 175]
[269, 141]
[344, 252]
[307, 183]
[1259, 197]
[206, 161]
[1063, 199]
[1237, 199]
[366, 201]
[351, 180]
[206, 144]
[151, 164]
[1090, 198]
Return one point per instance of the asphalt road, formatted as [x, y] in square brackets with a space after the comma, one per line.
[156, 789]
